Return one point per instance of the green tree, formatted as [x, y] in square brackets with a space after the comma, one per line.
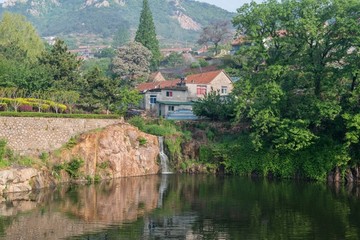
[132, 63]
[146, 35]
[215, 107]
[19, 39]
[99, 93]
[298, 72]
[63, 67]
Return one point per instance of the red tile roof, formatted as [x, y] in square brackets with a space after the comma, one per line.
[201, 78]
[154, 85]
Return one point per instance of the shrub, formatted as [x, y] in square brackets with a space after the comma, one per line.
[72, 167]
[137, 121]
[142, 141]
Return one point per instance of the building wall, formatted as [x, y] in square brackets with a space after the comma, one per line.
[220, 81]
[178, 96]
[216, 85]
[32, 136]
[165, 109]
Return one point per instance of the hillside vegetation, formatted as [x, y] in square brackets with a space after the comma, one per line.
[68, 17]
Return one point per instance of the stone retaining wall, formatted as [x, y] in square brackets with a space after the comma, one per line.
[31, 136]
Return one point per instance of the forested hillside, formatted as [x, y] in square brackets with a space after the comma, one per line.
[176, 21]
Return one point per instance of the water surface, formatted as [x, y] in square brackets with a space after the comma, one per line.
[184, 207]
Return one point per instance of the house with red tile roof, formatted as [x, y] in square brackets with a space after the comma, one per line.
[167, 98]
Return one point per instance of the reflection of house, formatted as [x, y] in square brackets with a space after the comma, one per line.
[175, 97]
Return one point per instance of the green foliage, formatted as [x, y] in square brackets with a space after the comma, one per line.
[146, 34]
[19, 39]
[174, 59]
[142, 141]
[238, 155]
[104, 165]
[200, 63]
[63, 66]
[73, 167]
[44, 156]
[215, 106]
[71, 143]
[137, 121]
[290, 90]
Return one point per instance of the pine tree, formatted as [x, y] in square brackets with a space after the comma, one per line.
[146, 34]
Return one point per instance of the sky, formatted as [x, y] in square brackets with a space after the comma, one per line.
[230, 5]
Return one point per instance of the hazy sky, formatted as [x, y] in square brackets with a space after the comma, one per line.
[230, 5]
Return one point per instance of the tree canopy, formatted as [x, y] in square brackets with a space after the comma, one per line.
[300, 72]
[18, 38]
[132, 63]
[215, 33]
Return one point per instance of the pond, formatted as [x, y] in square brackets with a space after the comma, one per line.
[184, 207]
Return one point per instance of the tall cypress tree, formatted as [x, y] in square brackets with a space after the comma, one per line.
[146, 34]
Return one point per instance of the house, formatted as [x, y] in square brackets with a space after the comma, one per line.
[237, 43]
[174, 98]
[156, 77]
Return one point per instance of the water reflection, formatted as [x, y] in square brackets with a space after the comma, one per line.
[76, 210]
[185, 207]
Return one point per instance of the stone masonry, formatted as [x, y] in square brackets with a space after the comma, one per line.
[32, 136]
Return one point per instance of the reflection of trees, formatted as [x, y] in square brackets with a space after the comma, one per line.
[261, 209]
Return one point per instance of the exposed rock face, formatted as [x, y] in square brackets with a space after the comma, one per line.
[121, 149]
[23, 180]
[187, 22]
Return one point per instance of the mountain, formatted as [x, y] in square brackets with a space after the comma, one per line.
[177, 22]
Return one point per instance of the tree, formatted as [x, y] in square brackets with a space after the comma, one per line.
[99, 92]
[132, 63]
[298, 72]
[19, 39]
[146, 35]
[215, 33]
[63, 66]
[215, 107]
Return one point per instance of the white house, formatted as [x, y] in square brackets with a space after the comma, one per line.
[176, 97]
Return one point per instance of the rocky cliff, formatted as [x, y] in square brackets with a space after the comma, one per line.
[119, 150]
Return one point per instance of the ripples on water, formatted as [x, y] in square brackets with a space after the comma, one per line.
[184, 207]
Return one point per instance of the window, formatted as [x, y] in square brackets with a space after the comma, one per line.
[169, 93]
[171, 108]
[224, 90]
[153, 99]
[201, 90]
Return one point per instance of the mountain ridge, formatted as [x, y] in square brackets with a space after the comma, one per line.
[175, 20]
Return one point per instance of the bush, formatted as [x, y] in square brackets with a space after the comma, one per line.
[72, 167]
[137, 121]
